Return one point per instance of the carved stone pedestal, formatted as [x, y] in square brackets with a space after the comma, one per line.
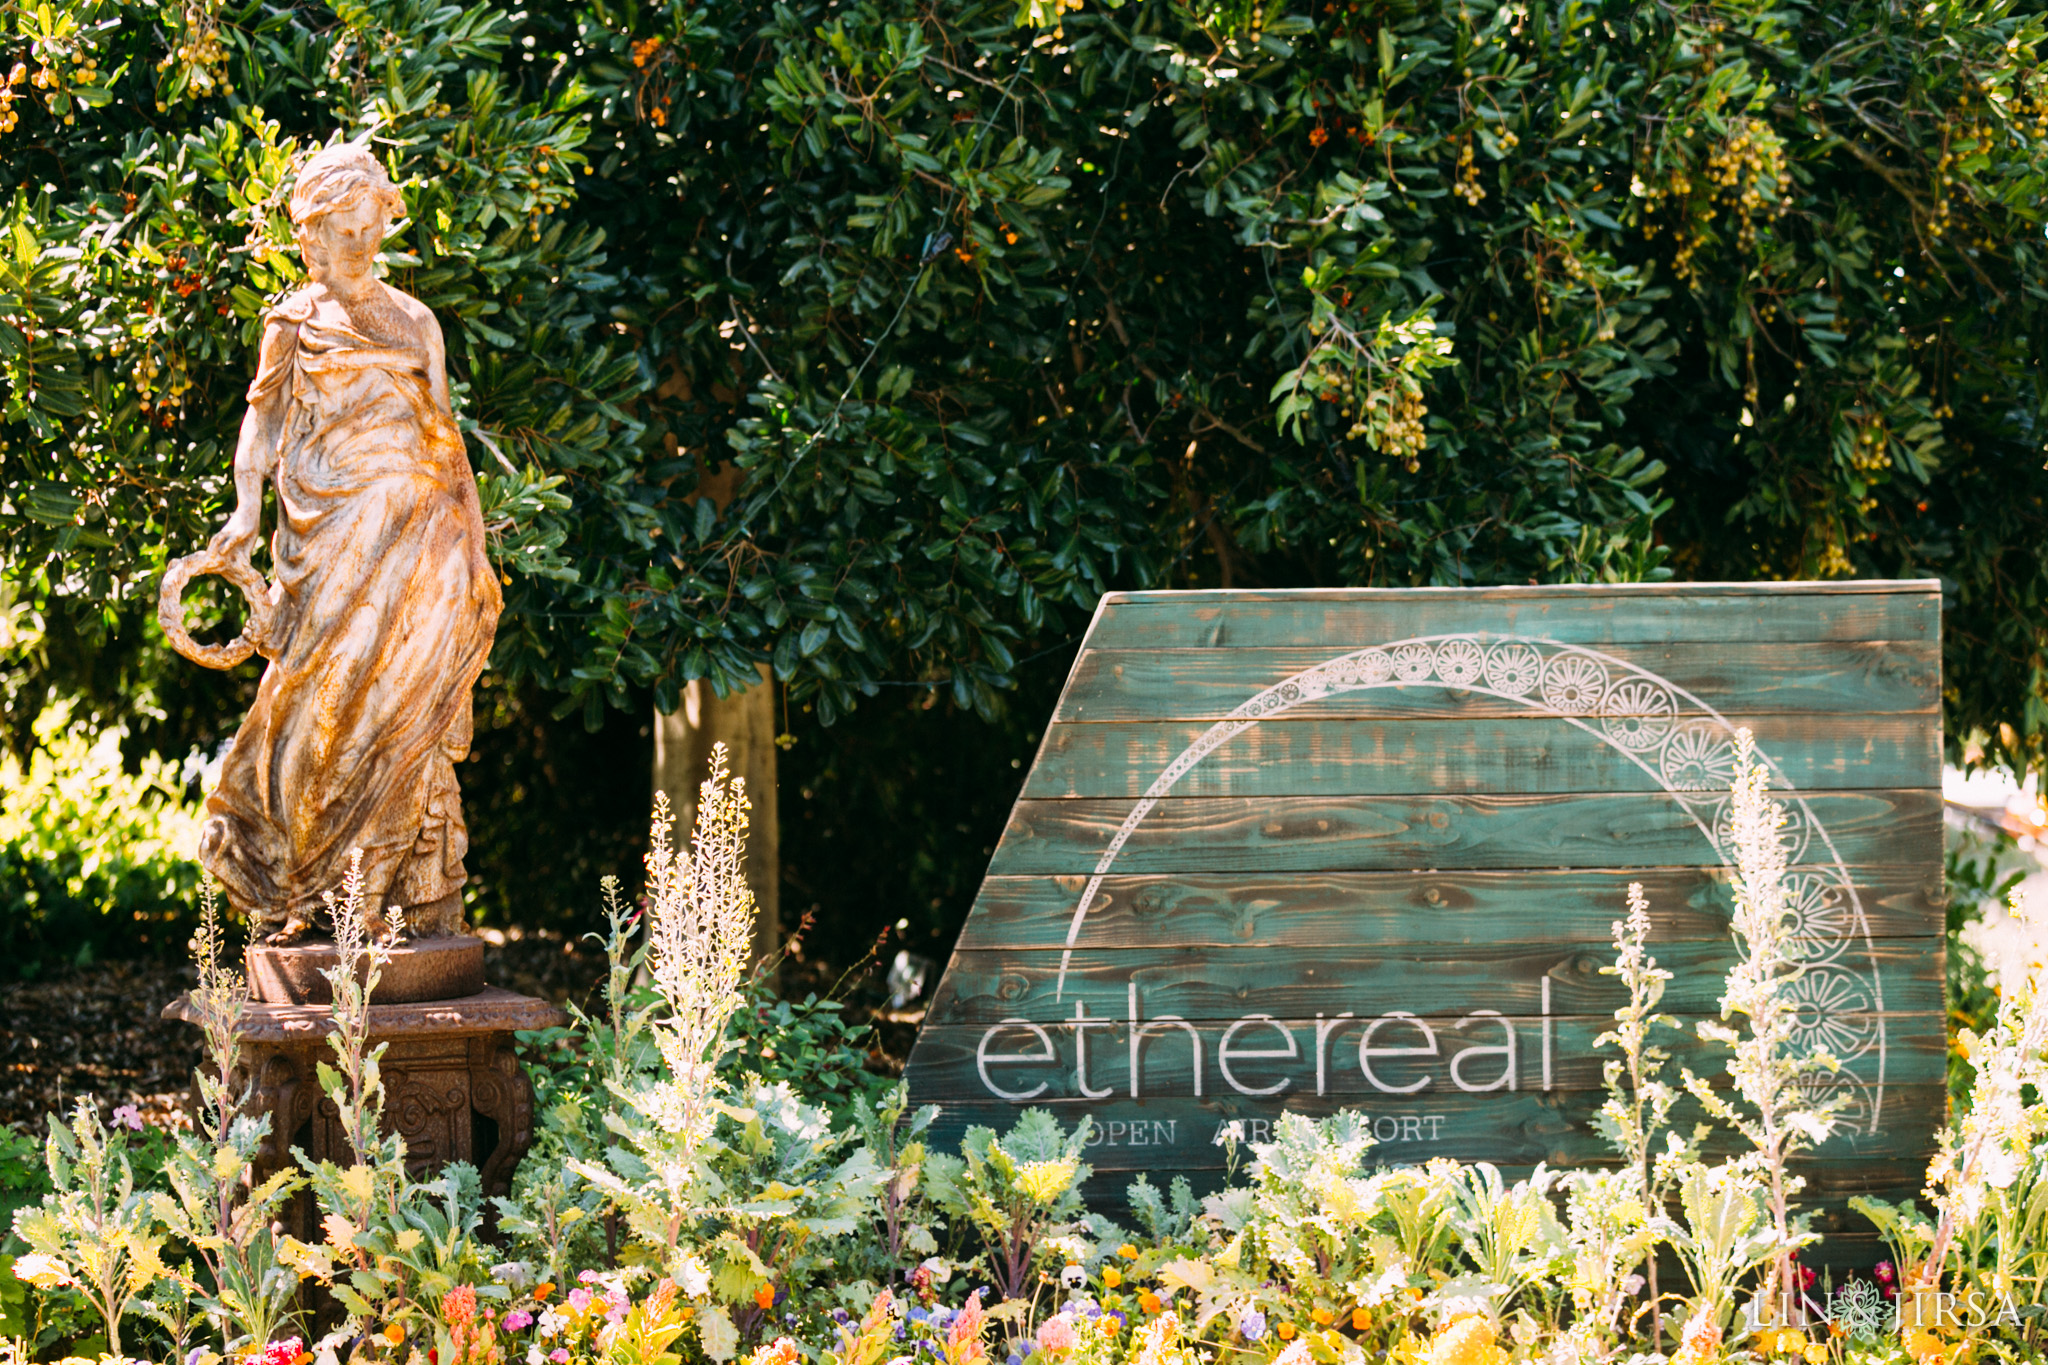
[452, 1086]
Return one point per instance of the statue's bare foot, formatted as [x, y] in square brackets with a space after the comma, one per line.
[294, 929]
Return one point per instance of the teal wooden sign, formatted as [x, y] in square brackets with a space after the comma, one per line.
[1315, 850]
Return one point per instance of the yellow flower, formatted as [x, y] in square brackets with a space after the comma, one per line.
[1128, 1252]
[1112, 1277]
[1045, 1181]
[1467, 1341]
[1816, 1353]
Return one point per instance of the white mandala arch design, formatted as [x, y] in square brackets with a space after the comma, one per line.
[1684, 745]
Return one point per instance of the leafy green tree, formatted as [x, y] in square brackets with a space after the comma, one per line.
[1368, 294]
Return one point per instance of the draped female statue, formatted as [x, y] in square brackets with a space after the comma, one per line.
[383, 604]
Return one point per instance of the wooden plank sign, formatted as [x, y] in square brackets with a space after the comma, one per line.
[1313, 850]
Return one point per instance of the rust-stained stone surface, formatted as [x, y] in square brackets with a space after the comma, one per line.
[427, 969]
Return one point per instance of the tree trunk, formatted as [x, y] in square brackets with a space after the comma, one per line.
[745, 721]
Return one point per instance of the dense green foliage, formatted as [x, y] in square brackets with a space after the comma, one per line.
[95, 862]
[875, 343]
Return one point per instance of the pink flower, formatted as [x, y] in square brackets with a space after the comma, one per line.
[560, 1355]
[579, 1300]
[128, 1116]
[587, 1277]
[284, 1352]
[1057, 1334]
[615, 1306]
[518, 1320]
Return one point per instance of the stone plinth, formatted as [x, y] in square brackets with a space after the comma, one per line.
[452, 1087]
[447, 968]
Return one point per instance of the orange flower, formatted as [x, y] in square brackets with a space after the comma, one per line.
[393, 1333]
[1323, 1316]
[764, 1297]
[1112, 1277]
[1286, 1331]
[1360, 1320]
[542, 1290]
[458, 1306]
[1318, 135]
[1150, 1302]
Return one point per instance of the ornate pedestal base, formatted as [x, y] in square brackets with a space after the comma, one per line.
[452, 1087]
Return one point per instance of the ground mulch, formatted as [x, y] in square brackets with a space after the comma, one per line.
[94, 1030]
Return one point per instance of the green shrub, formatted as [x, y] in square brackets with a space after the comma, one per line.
[95, 861]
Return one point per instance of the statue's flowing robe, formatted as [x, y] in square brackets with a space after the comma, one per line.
[385, 606]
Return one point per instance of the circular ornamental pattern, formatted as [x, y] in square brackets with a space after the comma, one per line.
[1573, 684]
[1513, 670]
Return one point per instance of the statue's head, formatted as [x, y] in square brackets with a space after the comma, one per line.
[342, 207]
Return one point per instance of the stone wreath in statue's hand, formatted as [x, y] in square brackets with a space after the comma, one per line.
[217, 558]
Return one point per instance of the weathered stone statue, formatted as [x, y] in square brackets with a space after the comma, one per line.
[383, 605]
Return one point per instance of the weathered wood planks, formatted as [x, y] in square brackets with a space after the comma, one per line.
[1303, 850]
[1361, 833]
[1466, 756]
[1864, 677]
[1452, 905]
[1350, 618]
[1552, 1053]
[982, 987]
[1509, 1129]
